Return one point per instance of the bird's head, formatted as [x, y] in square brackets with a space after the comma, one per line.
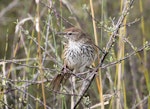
[72, 34]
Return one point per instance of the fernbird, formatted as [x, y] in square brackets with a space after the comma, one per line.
[79, 53]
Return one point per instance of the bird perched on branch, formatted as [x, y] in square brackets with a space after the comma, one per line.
[79, 53]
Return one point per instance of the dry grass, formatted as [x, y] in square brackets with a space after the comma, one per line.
[31, 54]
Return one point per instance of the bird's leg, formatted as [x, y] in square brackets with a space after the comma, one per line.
[64, 69]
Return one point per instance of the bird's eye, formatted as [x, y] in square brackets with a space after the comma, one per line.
[69, 33]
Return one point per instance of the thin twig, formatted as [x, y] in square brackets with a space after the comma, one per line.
[130, 54]
[145, 98]
[31, 96]
[57, 14]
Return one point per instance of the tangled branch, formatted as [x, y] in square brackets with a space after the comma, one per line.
[111, 41]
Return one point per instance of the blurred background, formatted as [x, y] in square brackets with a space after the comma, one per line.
[20, 79]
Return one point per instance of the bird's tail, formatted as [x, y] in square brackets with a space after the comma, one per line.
[59, 80]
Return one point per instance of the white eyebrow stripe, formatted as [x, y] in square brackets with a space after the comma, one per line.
[73, 33]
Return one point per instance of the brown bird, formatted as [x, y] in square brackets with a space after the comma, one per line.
[79, 53]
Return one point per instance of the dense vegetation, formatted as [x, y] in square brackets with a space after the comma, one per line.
[30, 53]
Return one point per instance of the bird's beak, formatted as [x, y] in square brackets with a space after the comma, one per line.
[62, 34]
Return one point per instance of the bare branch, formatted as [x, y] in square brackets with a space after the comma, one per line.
[128, 56]
[57, 14]
[145, 98]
